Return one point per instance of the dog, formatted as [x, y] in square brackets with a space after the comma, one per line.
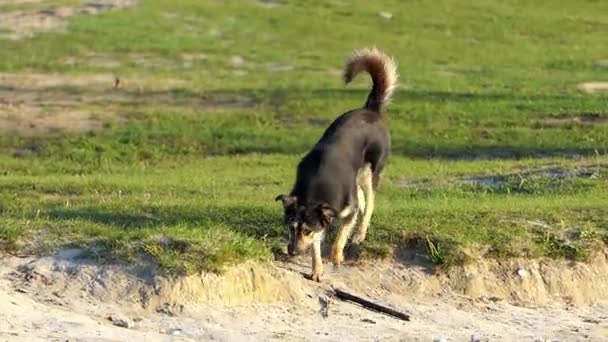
[337, 180]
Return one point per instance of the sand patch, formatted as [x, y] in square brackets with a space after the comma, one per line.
[592, 171]
[25, 24]
[38, 104]
[46, 103]
[551, 172]
[270, 3]
[593, 87]
[569, 120]
[27, 120]
[139, 60]
[18, 82]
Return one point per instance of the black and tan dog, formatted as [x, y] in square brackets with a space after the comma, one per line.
[336, 181]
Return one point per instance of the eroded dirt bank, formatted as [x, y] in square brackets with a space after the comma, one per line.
[66, 296]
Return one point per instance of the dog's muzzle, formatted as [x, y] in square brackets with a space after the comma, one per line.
[292, 251]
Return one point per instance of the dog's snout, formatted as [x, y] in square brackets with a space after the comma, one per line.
[292, 250]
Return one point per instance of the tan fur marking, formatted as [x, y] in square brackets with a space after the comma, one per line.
[360, 199]
[364, 179]
[346, 211]
[317, 261]
[337, 251]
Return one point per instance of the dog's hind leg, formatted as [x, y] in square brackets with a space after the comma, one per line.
[361, 200]
[337, 250]
[365, 182]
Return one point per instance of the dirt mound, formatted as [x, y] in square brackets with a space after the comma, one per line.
[67, 275]
[535, 282]
[521, 282]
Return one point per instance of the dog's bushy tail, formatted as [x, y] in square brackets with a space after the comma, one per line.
[381, 68]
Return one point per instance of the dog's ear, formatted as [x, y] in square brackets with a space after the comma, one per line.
[287, 200]
[327, 214]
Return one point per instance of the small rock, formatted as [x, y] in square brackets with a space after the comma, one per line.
[215, 33]
[591, 320]
[385, 15]
[176, 331]
[280, 67]
[367, 320]
[522, 273]
[601, 63]
[324, 301]
[167, 309]
[165, 241]
[120, 322]
[269, 3]
[237, 61]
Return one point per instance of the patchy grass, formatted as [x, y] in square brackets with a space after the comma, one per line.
[206, 213]
[187, 173]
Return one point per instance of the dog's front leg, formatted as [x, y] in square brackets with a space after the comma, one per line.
[337, 250]
[317, 262]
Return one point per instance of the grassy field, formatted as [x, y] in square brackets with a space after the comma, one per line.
[495, 150]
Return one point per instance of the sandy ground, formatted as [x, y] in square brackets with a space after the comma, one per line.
[64, 297]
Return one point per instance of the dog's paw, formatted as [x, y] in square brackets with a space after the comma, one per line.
[337, 260]
[358, 238]
[315, 277]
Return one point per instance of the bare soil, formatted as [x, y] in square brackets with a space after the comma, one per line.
[33, 104]
[550, 171]
[593, 87]
[16, 25]
[66, 296]
[567, 120]
[141, 60]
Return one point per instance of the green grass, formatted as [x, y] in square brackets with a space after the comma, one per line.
[188, 175]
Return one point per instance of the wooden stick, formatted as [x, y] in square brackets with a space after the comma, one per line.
[371, 305]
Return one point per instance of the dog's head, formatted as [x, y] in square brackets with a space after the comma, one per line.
[305, 223]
